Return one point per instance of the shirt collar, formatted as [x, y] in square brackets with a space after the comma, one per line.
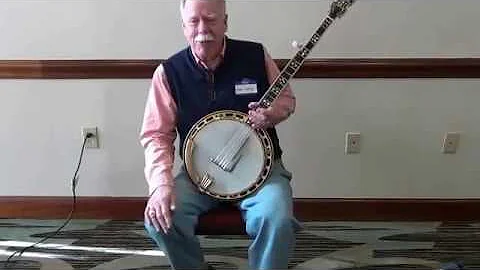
[216, 62]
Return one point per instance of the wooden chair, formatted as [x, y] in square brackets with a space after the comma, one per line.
[225, 220]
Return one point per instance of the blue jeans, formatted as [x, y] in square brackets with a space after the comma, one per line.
[268, 216]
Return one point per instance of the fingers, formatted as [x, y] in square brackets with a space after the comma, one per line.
[259, 119]
[167, 212]
[151, 218]
[163, 217]
[147, 218]
[172, 202]
[159, 217]
[253, 105]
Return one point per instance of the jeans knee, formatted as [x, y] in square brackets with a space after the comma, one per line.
[282, 222]
[273, 221]
[182, 223]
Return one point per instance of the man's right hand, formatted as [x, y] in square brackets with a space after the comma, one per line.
[159, 208]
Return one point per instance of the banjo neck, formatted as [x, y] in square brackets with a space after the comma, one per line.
[293, 65]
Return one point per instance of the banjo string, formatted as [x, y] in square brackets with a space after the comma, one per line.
[226, 155]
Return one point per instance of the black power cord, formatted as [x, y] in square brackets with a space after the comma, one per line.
[70, 215]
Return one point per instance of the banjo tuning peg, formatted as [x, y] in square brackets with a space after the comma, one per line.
[297, 45]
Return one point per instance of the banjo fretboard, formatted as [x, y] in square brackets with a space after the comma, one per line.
[294, 64]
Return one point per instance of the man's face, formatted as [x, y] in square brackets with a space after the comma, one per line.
[204, 27]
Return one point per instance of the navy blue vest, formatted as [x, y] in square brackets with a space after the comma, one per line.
[198, 92]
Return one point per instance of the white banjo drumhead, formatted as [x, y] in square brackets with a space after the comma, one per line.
[219, 140]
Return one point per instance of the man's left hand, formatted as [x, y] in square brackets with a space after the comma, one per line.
[260, 117]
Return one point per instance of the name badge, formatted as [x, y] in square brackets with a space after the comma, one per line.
[245, 87]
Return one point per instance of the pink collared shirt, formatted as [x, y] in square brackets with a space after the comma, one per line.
[158, 131]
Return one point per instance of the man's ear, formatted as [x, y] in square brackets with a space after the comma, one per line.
[226, 22]
[182, 22]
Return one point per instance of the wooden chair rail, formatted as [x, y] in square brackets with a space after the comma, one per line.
[312, 68]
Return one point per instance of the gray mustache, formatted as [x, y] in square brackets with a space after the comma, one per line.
[203, 38]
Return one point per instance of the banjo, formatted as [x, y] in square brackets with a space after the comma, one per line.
[224, 156]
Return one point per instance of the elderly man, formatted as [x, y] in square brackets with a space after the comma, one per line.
[192, 83]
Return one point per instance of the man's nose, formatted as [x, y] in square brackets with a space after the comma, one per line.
[202, 26]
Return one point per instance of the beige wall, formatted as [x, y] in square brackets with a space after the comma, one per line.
[402, 121]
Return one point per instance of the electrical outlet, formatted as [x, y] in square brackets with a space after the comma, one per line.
[450, 142]
[91, 142]
[352, 142]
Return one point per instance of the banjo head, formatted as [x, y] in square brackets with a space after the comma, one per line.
[226, 158]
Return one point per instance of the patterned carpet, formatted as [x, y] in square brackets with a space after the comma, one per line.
[122, 245]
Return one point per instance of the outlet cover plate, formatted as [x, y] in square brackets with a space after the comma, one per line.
[352, 143]
[451, 141]
[91, 142]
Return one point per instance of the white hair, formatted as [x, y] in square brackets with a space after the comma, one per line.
[182, 5]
